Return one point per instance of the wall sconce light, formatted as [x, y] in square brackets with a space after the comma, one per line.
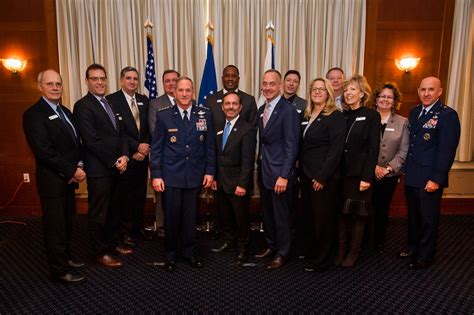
[15, 65]
[407, 64]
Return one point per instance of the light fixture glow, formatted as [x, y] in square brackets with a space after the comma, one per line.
[407, 64]
[15, 65]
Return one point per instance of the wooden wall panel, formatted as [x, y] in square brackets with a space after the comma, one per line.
[418, 28]
[28, 31]
[28, 28]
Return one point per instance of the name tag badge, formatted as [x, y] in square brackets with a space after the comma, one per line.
[219, 101]
[360, 118]
[389, 129]
[172, 130]
[140, 103]
[53, 117]
[219, 132]
[201, 125]
[304, 123]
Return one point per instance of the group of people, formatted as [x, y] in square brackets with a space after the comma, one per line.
[343, 150]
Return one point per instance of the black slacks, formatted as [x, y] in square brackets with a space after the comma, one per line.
[106, 197]
[382, 194]
[57, 226]
[132, 218]
[234, 217]
[320, 214]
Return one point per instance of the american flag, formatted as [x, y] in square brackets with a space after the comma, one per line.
[150, 77]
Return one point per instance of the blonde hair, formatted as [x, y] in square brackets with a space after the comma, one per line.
[364, 87]
[330, 106]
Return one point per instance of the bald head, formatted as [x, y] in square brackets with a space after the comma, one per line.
[50, 84]
[429, 90]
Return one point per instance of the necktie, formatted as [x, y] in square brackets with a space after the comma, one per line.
[63, 118]
[423, 113]
[266, 114]
[109, 111]
[135, 113]
[226, 134]
[185, 117]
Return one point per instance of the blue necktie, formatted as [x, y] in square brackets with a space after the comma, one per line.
[109, 111]
[226, 134]
[185, 118]
[63, 118]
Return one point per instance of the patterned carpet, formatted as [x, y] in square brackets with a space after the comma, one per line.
[377, 284]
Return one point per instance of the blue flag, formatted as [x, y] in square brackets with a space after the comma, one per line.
[209, 81]
[150, 77]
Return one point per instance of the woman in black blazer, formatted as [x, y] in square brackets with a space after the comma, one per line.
[323, 131]
[393, 151]
[361, 149]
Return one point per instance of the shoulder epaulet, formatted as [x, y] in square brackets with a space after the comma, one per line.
[164, 108]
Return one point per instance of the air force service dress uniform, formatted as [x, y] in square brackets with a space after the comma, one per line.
[182, 152]
[434, 138]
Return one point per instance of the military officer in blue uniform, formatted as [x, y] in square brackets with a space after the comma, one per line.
[434, 131]
[182, 162]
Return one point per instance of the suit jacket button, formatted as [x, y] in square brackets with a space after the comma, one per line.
[187, 158]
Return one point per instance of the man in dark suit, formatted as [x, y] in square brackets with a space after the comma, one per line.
[53, 137]
[235, 147]
[230, 81]
[133, 108]
[291, 84]
[167, 99]
[434, 136]
[182, 162]
[278, 125]
[105, 160]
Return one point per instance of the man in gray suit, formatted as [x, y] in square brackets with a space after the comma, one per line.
[291, 84]
[167, 99]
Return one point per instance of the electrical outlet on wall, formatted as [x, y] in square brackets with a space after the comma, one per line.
[26, 177]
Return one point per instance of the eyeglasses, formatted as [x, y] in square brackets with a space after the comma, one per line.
[385, 97]
[318, 90]
[96, 79]
[53, 84]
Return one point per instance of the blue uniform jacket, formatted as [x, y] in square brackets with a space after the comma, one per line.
[180, 156]
[278, 143]
[433, 142]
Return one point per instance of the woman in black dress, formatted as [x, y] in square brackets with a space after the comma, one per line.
[361, 149]
[323, 131]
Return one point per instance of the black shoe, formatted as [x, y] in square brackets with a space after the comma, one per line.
[69, 278]
[313, 268]
[222, 248]
[144, 235]
[170, 266]
[419, 264]
[379, 249]
[242, 257]
[405, 254]
[75, 264]
[194, 262]
[129, 241]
